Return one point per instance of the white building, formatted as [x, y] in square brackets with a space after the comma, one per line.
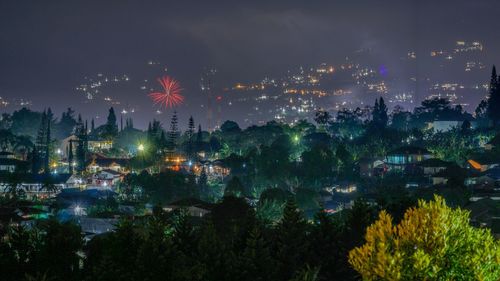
[9, 163]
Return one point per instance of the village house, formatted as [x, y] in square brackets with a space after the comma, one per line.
[99, 162]
[369, 167]
[106, 178]
[195, 207]
[35, 186]
[433, 166]
[406, 158]
[9, 163]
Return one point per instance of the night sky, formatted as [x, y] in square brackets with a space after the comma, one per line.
[47, 47]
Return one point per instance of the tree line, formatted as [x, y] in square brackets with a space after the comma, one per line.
[232, 243]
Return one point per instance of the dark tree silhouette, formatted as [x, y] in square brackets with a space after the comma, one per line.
[494, 98]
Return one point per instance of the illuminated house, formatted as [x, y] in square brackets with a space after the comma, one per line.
[76, 181]
[98, 145]
[369, 167]
[195, 207]
[64, 148]
[9, 163]
[214, 169]
[34, 185]
[95, 226]
[177, 163]
[100, 162]
[345, 187]
[406, 158]
[107, 178]
[483, 162]
[440, 178]
[433, 166]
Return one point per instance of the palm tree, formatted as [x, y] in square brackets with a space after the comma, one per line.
[48, 184]
[13, 182]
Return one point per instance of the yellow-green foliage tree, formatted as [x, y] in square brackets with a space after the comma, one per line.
[432, 242]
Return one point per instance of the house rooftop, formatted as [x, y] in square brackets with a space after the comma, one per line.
[40, 178]
[192, 202]
[450, 172]
[113, 172]
[434, 162]
[6, 154]
[409, 150]
[484, 209]
[11, 161]
[102, 160]
[485, 158]
[493, 173]
[54, 178]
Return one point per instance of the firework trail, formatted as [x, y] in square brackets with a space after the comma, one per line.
[171, 94]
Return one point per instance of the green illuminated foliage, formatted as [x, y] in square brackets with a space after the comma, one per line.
[432, 242]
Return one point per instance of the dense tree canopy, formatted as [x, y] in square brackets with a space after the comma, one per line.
[432, 242]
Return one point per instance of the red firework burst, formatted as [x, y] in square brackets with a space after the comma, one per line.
[171, 95]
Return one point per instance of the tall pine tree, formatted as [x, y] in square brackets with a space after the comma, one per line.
[379, 114]
[292, 242]
[40, 146]
[81, 149]
[48, 140]
[156, 137]
[111, 126]
[35, 160]
[256, 263]
[190, 138]
[199, 139]
[203, 182]
[494, 98]
[70, 157]
[382, 108]
[173, 136]
[375, 112]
